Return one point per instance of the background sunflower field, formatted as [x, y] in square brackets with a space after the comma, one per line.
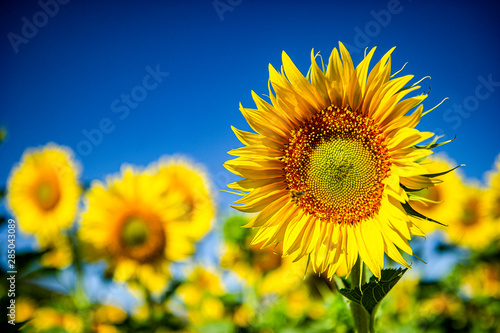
[115, 123]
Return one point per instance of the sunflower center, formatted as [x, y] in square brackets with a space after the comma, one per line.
[142, 237]
[470, 215]
[135, 232]
[337, 162]
[47, 195]
[339, 170]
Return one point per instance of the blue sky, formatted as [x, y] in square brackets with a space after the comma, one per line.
[67, 70]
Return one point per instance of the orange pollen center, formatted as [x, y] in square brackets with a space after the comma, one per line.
[471, 214]
[335, 165]
[141, 237]
[47, 193]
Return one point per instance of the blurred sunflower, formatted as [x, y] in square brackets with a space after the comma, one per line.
[283, 276]
[493, 192]
[399, 308]
[201, 295]
[441, 304]
[258, 266]
[43, 192]
[189, 185]
[47, 319]
[129, 221]
[331, 163]
[105, 317]
[474, 227]
[441, 202]
[482, 281]
[60, 254]
[25, 309]
[299, 303]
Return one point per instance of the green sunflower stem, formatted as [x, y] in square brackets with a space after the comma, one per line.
[363, 322]
[82, 301]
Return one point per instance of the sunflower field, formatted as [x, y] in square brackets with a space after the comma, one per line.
[236, 166]
[337, 180]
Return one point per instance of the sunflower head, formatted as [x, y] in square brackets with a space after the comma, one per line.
[442, 202]
[201, 295]
[473, 226]
[493, 193]
[333, 160]
[131, 222]
[190, 189]
[43, 191]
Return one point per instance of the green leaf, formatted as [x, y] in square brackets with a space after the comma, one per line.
[372, 293]
[433, 144]
[410, 211]
[352, 294]
[432, 175]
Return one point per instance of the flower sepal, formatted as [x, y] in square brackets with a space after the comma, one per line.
[372, 292]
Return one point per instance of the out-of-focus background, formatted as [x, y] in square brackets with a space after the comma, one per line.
[129, 82]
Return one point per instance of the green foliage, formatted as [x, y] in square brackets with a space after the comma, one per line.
[372, 293]
[233, 231]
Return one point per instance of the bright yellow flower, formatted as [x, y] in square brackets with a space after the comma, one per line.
[243, 315]
[474, 227]
[482, 280]
[105, 316]
[46, 319]
[25, 309]
[43, 192]
[282, 278]
[61, 254]
[189, 184]
[261, 268]
[200, 282]
[130, 221]
[441, 305]
[201, 295]
[331, 163]
[441, 202]
[493, 193]
[401, 303]
[109, 314]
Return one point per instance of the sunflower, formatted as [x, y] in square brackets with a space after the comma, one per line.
[493, 192]
[258, 266]
[190, 186]
[474, 227]
[442, 202]
[442, 304]
[43, 192]
[60, 254]
[129, 221]
[332, 161]
[105, 317]
[201, 294]
[482, 281]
